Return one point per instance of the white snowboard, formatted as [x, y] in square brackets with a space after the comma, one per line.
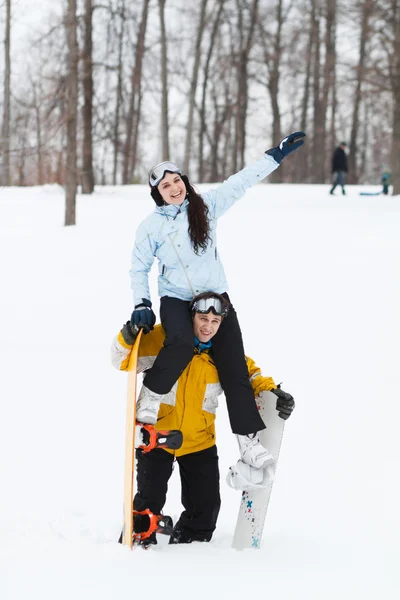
[254, 504]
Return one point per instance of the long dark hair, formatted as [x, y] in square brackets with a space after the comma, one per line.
[199, 225]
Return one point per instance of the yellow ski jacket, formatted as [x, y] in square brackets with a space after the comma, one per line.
[192, 402]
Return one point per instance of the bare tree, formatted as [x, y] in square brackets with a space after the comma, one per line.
[272, 55]
[327, 85]
[367, 10]
[193, 84]
[118, 102]
[206, 73]
[245, 45]
[164, 80]
[301, 166]
[317, 108]
[71, 113]
[396, 99]
[5, 131]
[134, 111]
[87, 150]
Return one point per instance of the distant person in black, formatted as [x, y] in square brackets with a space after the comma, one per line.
[339, 167]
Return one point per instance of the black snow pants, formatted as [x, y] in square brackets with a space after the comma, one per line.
[199, 475]
[227, 352]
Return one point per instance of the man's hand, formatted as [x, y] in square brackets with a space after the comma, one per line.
[287, 145]
[143, 316]
[285, 403]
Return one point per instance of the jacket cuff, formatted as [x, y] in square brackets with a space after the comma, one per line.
[276, 154]
[144, 302]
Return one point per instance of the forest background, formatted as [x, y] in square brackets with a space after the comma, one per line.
[97, 91]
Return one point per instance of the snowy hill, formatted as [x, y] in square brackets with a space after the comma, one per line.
[315, 281]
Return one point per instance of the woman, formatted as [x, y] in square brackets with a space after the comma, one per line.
[181, 233]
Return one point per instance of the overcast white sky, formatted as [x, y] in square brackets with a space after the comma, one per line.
[27, 15]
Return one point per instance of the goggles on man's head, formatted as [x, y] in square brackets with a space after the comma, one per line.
[205, 305]
[156, 174]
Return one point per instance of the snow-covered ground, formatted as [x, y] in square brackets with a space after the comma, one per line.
[315, 281]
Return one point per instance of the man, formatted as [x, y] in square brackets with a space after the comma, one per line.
[191, 406]
[339, 168]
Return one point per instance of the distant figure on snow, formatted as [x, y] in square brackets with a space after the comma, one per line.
[386, 180]
[339, 168]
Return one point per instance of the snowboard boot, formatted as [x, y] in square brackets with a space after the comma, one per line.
[150, 541]
[182, 535]
[253, 452]
[142, 523]
[147, 406]
[244, 477]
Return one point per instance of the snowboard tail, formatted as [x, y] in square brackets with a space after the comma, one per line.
[370, 193]
[254, 504]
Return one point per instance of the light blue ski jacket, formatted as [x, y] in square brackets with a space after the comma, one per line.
[164, 234]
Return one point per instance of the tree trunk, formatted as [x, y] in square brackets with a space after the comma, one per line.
[273, 63]
[164, 83]
[302, 166]
[23, 144]
[329, 69]
[119, 93]
[204, 90]
[71, 114]
[133, 117]
[333, 101]
[318, 141]
[136, 97]
[364, 38]
[5, 133]
[243, 91]
[396, 111]
[38, 119]
[193, 85]
[87, 150]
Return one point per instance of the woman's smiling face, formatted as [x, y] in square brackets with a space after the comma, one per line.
[172, 189]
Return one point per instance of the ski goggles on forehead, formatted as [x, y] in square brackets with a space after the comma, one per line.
[205, 305]
[156, 174]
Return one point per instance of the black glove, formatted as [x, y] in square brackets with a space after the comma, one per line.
[287, 145]
[143, 316]
[285, 403]
[129, 333]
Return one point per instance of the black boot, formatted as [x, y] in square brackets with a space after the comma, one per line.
[150, 541]
[182, 535]
[141, 523]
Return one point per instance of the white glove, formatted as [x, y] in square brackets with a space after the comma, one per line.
[245, 477]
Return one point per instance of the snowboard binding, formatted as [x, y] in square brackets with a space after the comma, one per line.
[156, 524]
[149, 438]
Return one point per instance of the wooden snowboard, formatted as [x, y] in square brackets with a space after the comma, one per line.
[129, 476]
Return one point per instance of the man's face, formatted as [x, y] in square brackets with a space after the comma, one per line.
[205, 326]
[172, 189]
